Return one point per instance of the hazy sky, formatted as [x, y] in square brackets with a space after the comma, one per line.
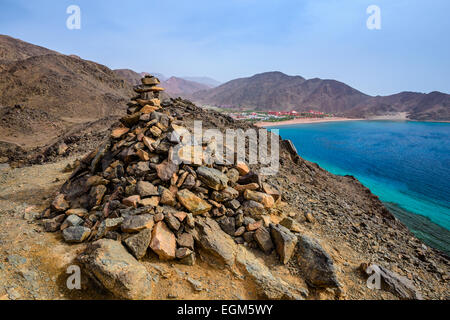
[227, 39]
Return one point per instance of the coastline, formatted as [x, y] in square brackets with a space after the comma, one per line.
[303, 121]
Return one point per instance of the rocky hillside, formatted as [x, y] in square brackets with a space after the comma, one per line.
[301, 234]
[45, 95]
[12, 49]
[277, 91]
[130, 76]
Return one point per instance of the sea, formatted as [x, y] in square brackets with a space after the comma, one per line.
[405, 163]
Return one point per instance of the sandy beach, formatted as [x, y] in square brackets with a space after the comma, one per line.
[302, 121]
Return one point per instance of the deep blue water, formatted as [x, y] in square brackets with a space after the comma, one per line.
[406, 164]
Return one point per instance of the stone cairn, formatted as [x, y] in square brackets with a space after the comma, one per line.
[129, 190]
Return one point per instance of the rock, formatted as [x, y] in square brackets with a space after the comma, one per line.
[196, 285]
[316, 264]
[77, 212]
[309, 217]
[108, 225]
[52, 225]
[263, 239]
[216, 246]
[250, 178]
[119, 132]
[180, 215]
[172, 222]
[149, 202]
[146, 189]
[398, 285]
[266, 200]
[284, 240]
[163, 242]
[167, 197]
[213, 178]
[96, 195]
[137, 223]
[71, 221]
[186, 240]
[242, 168]
[241, 188]
[166, 169]
[240, 231]
[226, 194]
[193, 203]
[253, 207]
[132, 201]
[76, 234]
[233, 204]
[268, 286]
[233, 175]
[62, 148]
[60, 204]
[150, 81]
[109, 264]
[291, 224]
[228, 225]
[254, 225]
[138, 243]
[189, 258]
[276, 195]
[183, 253]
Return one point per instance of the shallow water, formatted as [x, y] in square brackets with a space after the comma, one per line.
[406, 164]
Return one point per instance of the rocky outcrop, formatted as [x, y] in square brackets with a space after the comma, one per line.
[109, 264]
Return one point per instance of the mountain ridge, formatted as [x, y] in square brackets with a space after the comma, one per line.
[280, 92]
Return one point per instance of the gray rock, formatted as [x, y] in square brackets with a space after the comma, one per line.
[186, 240]
[263, 239]
[212, 178]
[138, 243]
[146, 189]
[172, 222]
[316, 264]
[400, 286]
[284, 241]
[76, 234]
[109, 264]
[228, 225]
[71, 221]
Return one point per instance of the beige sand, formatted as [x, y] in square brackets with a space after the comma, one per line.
[303, 121]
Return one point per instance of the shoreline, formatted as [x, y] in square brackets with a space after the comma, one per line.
[303, 121]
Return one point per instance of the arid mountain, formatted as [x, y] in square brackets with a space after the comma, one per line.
[210, 82]
[277, 91]
[12, 49]
[53, 93]
[180, 87]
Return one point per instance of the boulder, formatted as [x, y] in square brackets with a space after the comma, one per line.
[109, 264]
[284, 241]
[316, 264]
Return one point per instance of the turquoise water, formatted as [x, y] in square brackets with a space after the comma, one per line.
[406, 164]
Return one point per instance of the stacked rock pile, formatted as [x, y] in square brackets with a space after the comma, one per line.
[131, 190]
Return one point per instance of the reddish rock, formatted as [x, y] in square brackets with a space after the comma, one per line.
[193, 203]
[60, 203]
[132, 201]
[163, 242]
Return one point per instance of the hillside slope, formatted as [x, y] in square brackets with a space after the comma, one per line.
[180, 87]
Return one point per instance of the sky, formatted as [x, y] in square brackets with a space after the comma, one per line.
[228, 39]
